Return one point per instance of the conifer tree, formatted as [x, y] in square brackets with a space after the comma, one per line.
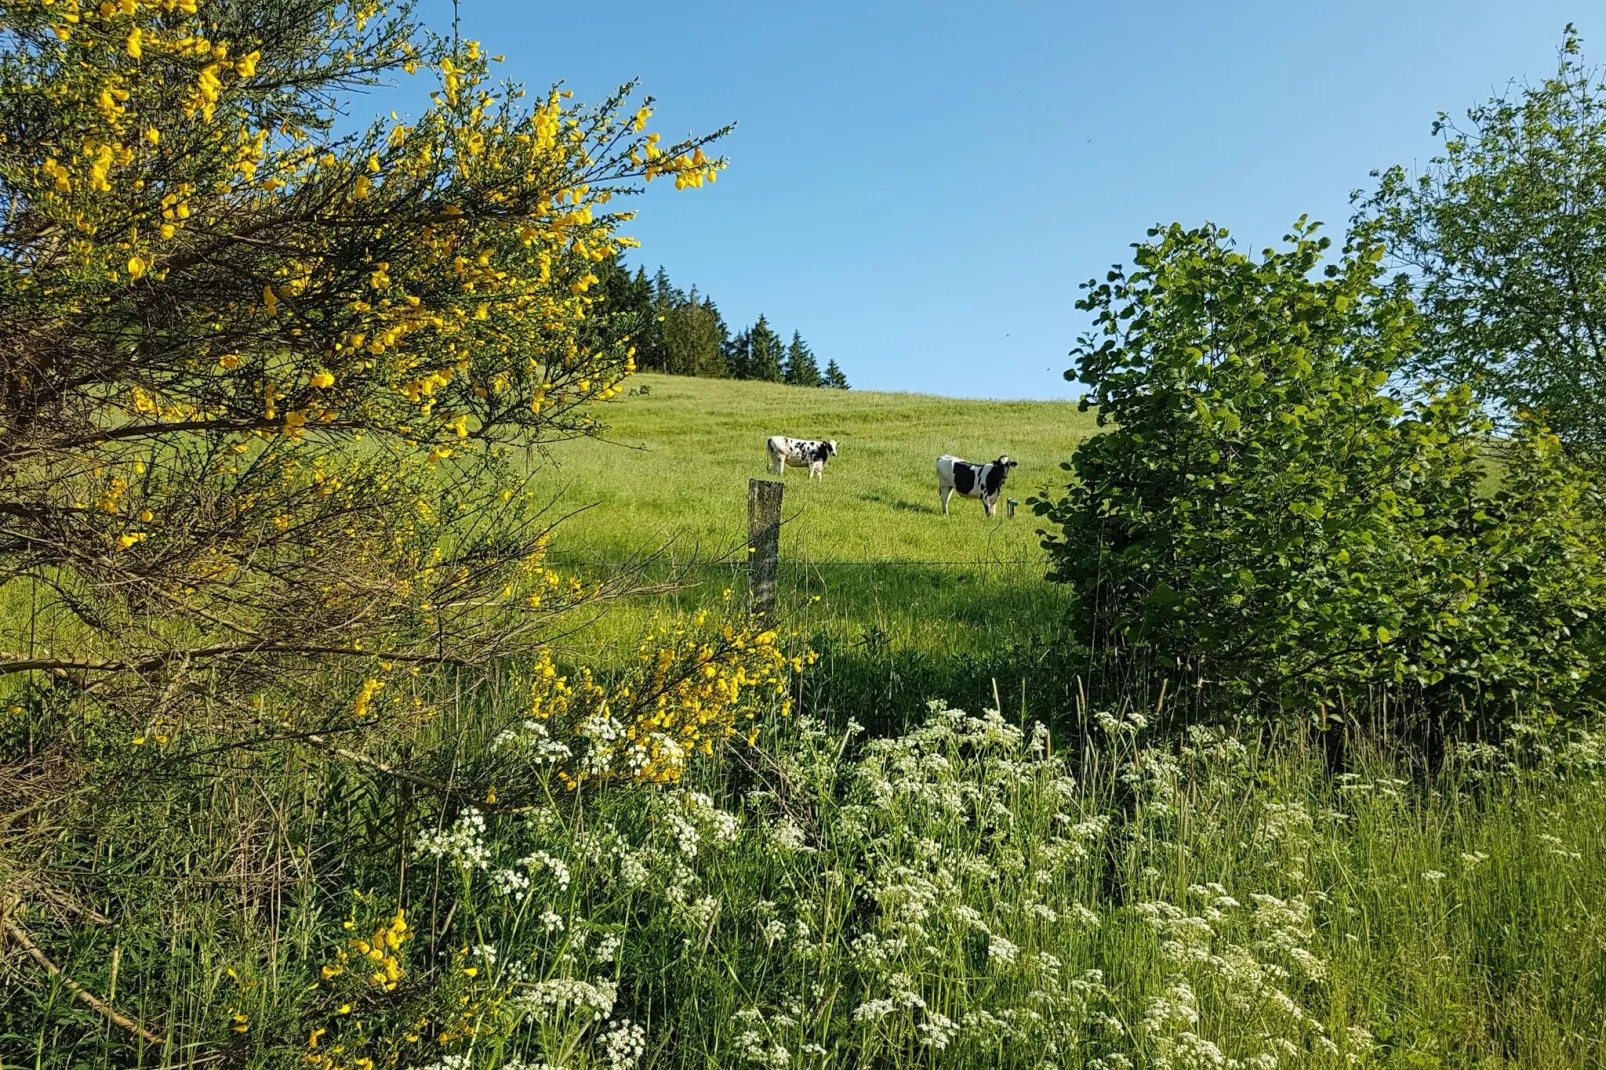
[833, 377]
[739, 356]
[692, 335]
[801, 368]
[766, 351]
[717, 367]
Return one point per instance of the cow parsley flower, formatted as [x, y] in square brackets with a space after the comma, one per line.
[547, 1000]
[540, 860]
[463, 844]
[533, 738]
[874, 1010]
[624, 1044]
[1001, 950]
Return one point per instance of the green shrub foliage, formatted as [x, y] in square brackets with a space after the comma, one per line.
[1267, 514]
[1503, 235]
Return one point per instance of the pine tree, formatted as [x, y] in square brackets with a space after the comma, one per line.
[801, 368]
[833, 377]
[663, 291]
[739, 356]
[623, 311]
[766, 351]
[681, 332]
[693, 334]
[651, 353]
[716, 366]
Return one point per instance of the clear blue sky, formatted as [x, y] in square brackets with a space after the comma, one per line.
[920, 187]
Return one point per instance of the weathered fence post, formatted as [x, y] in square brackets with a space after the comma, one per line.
[763, 543]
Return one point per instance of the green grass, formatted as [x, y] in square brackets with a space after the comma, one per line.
[966, 895]
[904, 603]
[674, 466]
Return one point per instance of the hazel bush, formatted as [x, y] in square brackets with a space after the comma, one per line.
[1267, 515]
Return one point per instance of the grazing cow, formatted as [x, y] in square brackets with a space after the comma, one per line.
[984, 481]
[800, 453]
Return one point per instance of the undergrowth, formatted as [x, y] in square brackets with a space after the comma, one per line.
[970, 892]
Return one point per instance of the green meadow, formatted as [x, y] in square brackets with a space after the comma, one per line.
[674, 463]
[902, 602]
[330, 741]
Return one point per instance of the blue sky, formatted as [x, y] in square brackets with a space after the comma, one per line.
[920, 188]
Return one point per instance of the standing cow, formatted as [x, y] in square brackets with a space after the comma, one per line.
[800, 453]
[984, 481]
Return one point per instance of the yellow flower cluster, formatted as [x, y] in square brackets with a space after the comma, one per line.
[471, 324]
[362, 1022]
[376, 958]
[689, 690]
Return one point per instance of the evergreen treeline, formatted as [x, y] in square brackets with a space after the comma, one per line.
[681, 332]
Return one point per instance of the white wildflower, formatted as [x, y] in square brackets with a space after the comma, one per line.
[937, 1030]
[788, 836]
[546, 1000]
[1001, 950]
[540, 860]
[532, 736]
[463, 844]
[624, 1044]
[874, 1010]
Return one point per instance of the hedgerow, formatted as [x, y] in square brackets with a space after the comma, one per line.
[1271, 514]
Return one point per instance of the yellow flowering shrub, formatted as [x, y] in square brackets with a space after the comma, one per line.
[269, 383]
[353, 1017]
[691, 688]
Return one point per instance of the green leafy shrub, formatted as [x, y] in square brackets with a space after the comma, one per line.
[1267, 514]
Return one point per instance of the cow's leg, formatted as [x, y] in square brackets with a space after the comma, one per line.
[777, 464]
[945, 493]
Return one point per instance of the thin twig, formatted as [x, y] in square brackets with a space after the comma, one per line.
[376, 764]
[18, 936]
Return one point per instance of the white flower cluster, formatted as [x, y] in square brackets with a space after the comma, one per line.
[548, 1000]
[450, 1062]
[534, 739]
[541, 860]
[624, 1045]
[1255, 960]
[463, 844]
[603, 733]
[1001, 950]
[754, 1047]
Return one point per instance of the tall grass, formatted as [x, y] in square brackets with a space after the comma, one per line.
[973, 892]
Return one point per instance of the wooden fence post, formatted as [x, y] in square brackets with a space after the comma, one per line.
[763, 544]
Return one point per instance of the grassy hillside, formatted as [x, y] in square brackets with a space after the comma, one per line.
[903, 603]
[677, 457]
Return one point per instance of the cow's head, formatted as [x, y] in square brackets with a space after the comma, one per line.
[993, 477]
[830, 448]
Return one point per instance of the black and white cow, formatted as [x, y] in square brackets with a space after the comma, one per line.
[800, 453]
[984, 481]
